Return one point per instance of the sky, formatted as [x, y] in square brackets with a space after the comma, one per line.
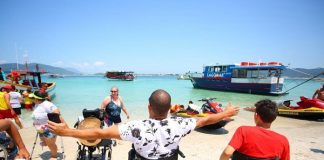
[161, 36]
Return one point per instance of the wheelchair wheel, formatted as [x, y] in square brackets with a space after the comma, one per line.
[106, 153]
[3, 153]
[81, 153]
[109, 154]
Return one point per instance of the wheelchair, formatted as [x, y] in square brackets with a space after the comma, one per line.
[7, 152]
[104, 147]
[240, 156]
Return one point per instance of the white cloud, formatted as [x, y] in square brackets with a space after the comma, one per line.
[2, 61]
[59, 64]
[99, 64]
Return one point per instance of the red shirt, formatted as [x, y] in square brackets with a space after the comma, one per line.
[260, 143]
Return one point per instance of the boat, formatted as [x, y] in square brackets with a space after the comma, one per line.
[55, 76]
[185, 76]
[120, 75]
[307, 108]
[23, 79]
[248, 77]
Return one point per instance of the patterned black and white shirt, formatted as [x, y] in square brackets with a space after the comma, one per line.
[155, 139]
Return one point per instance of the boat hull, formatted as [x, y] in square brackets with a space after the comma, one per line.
[309, 113]
[125, 76]
[20, 87]
[227, 85]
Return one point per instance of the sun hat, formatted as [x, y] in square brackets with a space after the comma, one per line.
[89, 123]
[38, 95]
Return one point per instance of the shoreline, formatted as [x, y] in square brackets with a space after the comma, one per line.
[305, 138]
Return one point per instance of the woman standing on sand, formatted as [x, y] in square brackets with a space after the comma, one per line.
[113, 104]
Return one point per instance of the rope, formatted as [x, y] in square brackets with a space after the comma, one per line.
[300, 72]
[304, 82]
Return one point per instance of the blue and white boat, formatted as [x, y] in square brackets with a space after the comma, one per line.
[254, 78]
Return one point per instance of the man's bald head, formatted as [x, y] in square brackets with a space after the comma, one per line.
[160, 101]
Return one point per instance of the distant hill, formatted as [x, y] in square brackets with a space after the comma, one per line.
[7, 67]
[299, 72]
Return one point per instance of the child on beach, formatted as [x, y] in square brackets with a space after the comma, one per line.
[28, 103]
[258, 141]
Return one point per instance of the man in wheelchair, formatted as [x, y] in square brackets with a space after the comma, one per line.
[154, 138]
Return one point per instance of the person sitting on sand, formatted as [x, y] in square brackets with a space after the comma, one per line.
[153, 138]
[39, 116]
[319, 93]
[11, 129]
[258, 141]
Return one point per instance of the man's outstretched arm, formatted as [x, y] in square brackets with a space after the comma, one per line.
[214, 118]
[62, 129]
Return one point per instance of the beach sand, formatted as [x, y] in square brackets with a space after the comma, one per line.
[305, 137]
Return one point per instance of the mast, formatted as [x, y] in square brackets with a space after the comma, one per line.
[16, 56]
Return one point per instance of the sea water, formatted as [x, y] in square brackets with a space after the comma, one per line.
[73, 94]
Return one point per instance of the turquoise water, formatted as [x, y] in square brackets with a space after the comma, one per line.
[76, 93]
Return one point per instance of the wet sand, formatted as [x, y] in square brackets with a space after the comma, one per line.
[305, 137]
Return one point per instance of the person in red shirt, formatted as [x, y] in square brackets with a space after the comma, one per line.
[259, 141]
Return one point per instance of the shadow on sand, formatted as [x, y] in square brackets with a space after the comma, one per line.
[47, 155]
[219, 131]
[317, 150]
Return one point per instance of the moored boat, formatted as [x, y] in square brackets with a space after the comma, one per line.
[24, 79]
[120, 75]
[248, 77]
[55, 76]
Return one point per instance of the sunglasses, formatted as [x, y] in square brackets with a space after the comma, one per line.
[113, 91]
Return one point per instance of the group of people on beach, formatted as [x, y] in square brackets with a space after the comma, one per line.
[158, 136]
[10, 108]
